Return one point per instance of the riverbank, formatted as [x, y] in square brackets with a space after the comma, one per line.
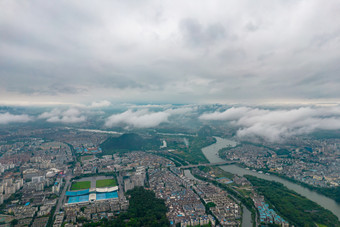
[320, 199]
[295, 208]
[332, 193]
[211, 153]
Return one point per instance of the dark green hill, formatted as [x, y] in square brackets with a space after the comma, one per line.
[129, 142]
[144, 210]
[205, 131]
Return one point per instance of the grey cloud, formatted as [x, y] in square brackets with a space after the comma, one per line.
[83, 51]
[52, 90]
[250, 26]
[197, 35]
[231, 54]
[103, 103]
[64, 89]
[265, 56]
[148, 106]
[278, 125]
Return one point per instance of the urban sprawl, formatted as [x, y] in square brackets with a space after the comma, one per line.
[63, 180]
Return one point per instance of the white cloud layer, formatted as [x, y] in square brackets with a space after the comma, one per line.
[142, 117]
[72, 115]
[277, 125]
[103, 103]
[6, 118]
[138, 119]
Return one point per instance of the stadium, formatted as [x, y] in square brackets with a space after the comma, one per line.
[91, 195]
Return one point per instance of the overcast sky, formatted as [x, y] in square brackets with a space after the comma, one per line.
[169, 51]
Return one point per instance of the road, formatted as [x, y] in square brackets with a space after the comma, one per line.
[67, 179]
[120, 185]
[62, 196]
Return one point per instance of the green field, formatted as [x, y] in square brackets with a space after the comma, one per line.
[86, 157]
[193, 152]
[321, 225]
[80, 185]
[106, 183]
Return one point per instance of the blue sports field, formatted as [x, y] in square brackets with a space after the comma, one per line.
[107, 195]
[78, 199]
[99, 196]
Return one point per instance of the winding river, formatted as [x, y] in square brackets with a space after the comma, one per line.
[211, 153]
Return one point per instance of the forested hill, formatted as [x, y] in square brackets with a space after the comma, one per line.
[144, 210]
[129, 142]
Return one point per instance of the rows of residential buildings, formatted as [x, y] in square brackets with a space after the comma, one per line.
[318, 165]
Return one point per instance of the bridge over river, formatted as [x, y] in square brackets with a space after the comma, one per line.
[208, 164]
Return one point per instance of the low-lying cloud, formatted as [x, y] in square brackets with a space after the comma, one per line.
[138, 119]
[72, 115]
[143, 117]
[6, 118]
[277, 125]
[103, 103]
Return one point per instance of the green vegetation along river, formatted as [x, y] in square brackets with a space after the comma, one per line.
[296, 209]
[211, 153]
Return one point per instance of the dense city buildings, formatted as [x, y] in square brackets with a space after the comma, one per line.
[66, 180]
[314, 162]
